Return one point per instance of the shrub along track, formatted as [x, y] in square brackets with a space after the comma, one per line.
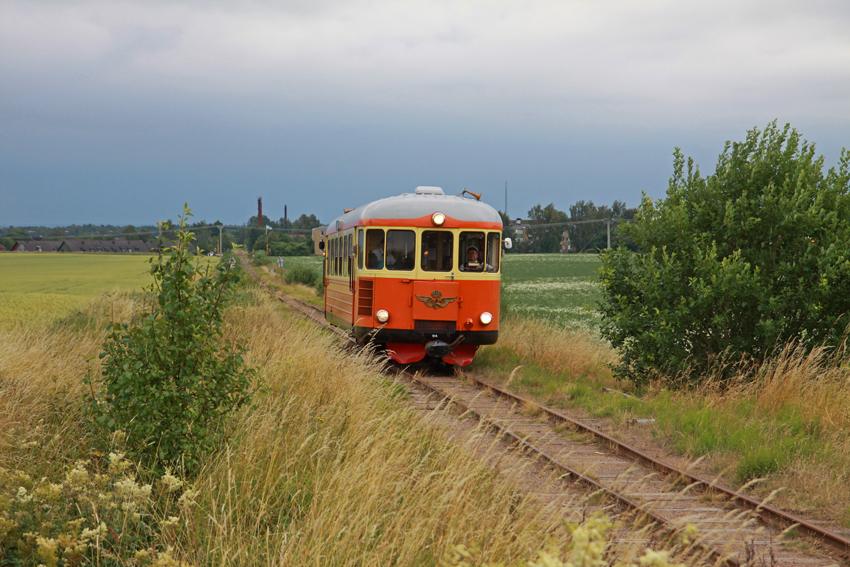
[731, 528]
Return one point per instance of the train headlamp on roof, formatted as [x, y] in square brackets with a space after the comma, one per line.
[438, 219]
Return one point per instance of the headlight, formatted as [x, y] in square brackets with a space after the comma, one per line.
[485, 318]
[438, 219]
[382, 316]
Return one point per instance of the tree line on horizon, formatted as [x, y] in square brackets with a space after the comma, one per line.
[583, 237]
[206, 234]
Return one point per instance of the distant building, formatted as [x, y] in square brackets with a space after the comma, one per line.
[519, 230]
[38, 246]
[2, 248]
[111, 246]
[116, 246]
[565, 243]
[318, 236]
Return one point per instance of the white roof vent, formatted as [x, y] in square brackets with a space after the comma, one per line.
[424, 190]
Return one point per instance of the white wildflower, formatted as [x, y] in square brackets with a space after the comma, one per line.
[170, 482]
[88, 534]
[77, 477]
[23, 495]
[187, 500]
[170, 522]
[117, 463]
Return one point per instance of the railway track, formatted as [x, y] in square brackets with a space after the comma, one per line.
[731, 528]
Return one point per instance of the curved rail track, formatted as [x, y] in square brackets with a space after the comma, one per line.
[733, 528]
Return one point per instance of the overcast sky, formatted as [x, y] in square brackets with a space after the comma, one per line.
[118, 112]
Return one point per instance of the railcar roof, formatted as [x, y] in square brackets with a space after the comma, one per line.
[425, 201]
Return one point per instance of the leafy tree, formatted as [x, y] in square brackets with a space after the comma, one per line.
[291, 248]
[593, 236]
[253, 221]
[306, 222]
[170, 379]
[145, 235]
[18, 233]
[546, 239]
[7, 242]
[735, 264]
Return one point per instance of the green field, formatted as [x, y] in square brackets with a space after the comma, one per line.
[554, 287]
[52, 285]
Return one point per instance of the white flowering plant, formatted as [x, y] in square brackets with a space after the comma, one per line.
[99, 513]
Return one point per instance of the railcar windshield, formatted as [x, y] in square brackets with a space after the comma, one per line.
[375, 249]
[494, 251]
[437, 251]
[401, 250]
[474, 247]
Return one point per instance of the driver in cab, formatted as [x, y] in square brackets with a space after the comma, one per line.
[472, 263]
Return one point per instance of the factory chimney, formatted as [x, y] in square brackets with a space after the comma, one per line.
[260, 211]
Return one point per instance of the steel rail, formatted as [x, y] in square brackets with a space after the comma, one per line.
[766, 512]
[641, 511]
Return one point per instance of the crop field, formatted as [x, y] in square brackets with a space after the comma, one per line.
[557, 288]
[52, 285]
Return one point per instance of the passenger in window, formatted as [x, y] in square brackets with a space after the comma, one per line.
[376, 257]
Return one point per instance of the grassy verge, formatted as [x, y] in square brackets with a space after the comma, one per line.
[791, 427]
[304, 269]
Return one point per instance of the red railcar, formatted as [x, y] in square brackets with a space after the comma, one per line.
[419, 273]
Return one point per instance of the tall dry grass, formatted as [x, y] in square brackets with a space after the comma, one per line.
[329, 467]
[42, 362]
[333, 468]
[561, 351]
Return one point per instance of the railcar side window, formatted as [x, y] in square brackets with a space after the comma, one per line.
[361, 242]
[375, 247]
[473, 251]
[401, 250]
[337, 254]
[437, 250]
[346, 243]
[494, 251]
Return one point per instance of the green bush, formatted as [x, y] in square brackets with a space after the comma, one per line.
[261, 259]
[170, 379]
[306, 275]
[734, 264]
[302, 274]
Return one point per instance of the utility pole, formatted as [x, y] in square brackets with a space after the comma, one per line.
[506, 200]
[608, 223]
